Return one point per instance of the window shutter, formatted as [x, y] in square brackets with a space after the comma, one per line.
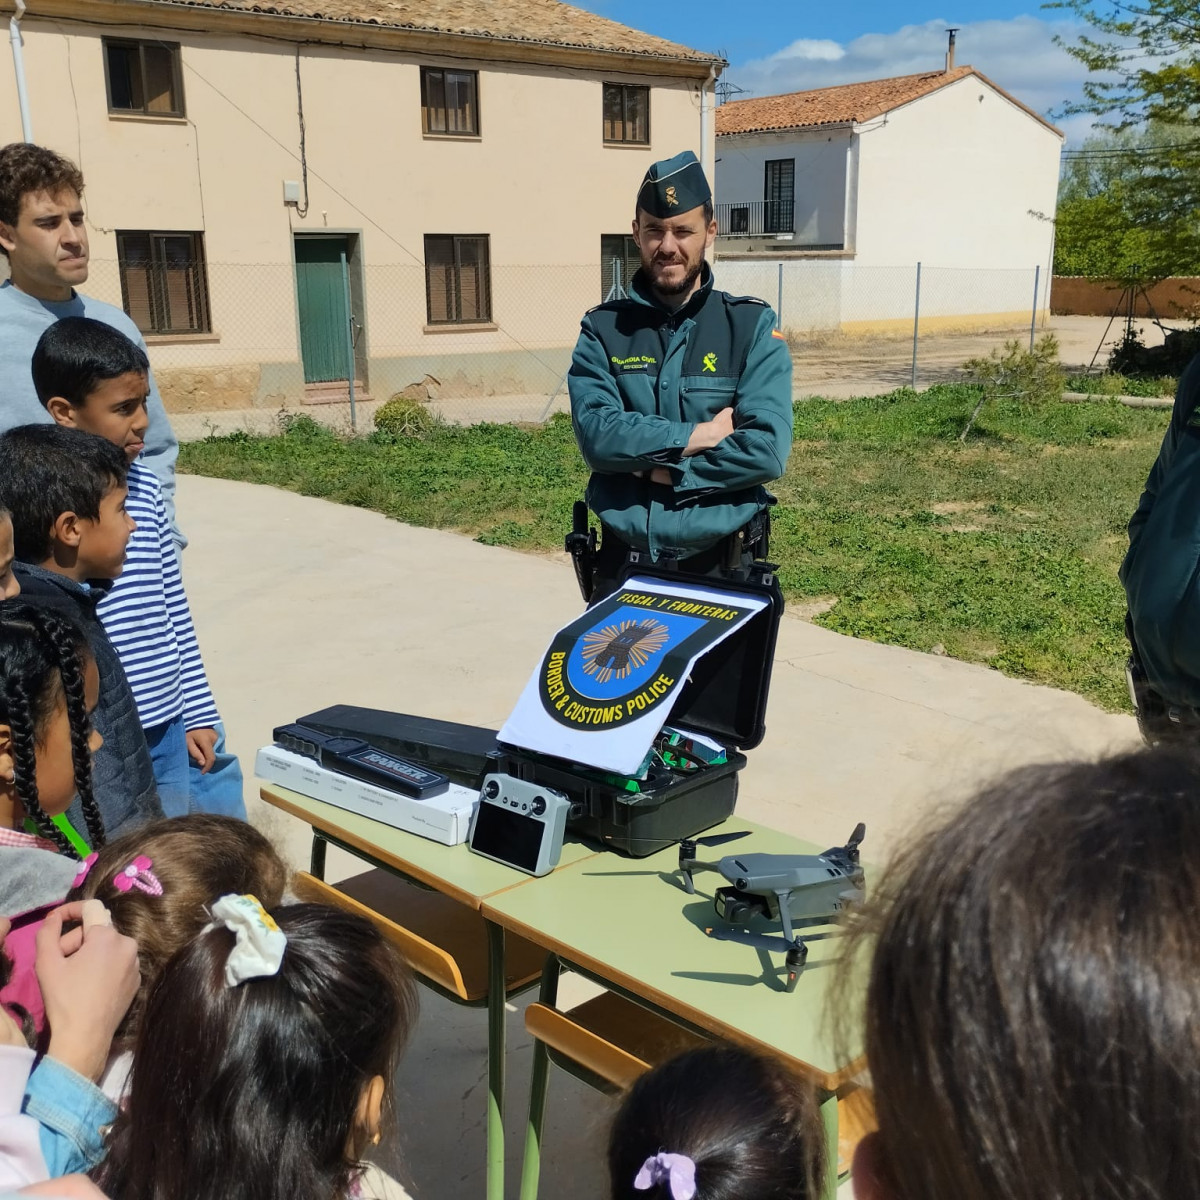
[439, 279]
[159, 79]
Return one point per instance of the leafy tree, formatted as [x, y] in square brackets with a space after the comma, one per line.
[1145, 59]
[1100, 202]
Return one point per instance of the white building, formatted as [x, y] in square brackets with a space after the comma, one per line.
[945, 169]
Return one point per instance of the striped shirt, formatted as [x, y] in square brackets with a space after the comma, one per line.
[147, 619]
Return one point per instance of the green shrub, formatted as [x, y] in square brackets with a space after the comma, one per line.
[401, 418]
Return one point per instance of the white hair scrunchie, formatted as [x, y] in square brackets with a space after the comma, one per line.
[260, 943]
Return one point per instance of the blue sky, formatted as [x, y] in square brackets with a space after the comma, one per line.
[785, 45]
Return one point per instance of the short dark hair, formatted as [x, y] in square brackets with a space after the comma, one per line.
[26, 169]
[749, 1124]
[1031, 1005]
[251, 1090]
[77, 354]
[47, 470]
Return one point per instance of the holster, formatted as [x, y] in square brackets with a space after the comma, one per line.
[580, 544]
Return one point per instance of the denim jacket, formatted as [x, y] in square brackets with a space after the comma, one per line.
[58, 1127]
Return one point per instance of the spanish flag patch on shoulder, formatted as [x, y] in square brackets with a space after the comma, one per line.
[776, 333]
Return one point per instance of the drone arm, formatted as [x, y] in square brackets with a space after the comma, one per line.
[785, 913]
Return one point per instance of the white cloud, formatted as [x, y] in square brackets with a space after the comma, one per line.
[809, 50]
[1019, 54]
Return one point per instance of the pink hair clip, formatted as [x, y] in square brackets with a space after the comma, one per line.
[84, 867]
[138, 875]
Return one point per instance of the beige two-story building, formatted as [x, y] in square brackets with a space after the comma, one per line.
[435, 190]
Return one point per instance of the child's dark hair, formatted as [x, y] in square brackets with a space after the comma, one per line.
[43, 656]
[197, 859]
[1031, 1008]
[249, 1092]
[47, 470]
[77, 354]
[748, 1123]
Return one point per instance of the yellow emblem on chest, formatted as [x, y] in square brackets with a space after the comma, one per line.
[710, 363]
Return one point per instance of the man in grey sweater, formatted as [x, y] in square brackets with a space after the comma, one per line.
[44, 238]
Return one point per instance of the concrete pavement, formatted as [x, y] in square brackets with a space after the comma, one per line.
[300, 603]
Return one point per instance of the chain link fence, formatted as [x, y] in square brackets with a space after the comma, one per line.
[257, 347]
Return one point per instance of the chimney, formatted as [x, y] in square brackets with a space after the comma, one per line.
[950, 50]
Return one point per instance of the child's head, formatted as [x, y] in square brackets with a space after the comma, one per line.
[194, 860]
[271, 1087]
[65, 490]
[48, 688]
[737, 1124]
[9, 587]
[90, 376]
[1031, 1011]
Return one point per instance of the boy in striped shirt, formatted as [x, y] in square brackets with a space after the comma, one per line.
[90, 376]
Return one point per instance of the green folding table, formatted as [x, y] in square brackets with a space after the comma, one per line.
[455, 872]
[628, 924]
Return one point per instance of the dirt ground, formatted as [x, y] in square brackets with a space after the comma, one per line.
[842, 367]
[835, 366]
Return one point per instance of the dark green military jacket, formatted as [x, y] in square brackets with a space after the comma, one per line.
[643, 377]
[1161, 571]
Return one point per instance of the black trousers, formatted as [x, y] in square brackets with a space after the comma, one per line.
[733, 552]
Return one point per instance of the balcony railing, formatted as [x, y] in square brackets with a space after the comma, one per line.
[756, 218]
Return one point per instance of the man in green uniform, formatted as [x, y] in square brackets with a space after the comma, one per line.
[681, 397]
[1161, 574]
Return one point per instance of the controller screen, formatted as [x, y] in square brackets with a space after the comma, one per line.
[507, 835]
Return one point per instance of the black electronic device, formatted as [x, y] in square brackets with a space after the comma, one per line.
[360, 760]
[801, 891]
[519, 824]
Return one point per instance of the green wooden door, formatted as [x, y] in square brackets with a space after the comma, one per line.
[321, 295]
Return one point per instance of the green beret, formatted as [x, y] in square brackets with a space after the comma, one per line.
[675, 185]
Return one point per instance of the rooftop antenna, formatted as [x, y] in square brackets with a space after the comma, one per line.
[950, 50]
[724, 88]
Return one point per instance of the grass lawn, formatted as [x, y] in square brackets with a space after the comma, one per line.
[1003, 550]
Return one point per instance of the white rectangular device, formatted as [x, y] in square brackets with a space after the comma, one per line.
[520, 824]
[444, 818]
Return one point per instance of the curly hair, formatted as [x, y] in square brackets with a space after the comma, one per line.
[26, 169]
[43, 656]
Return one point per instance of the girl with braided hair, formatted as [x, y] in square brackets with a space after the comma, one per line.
[48, 688]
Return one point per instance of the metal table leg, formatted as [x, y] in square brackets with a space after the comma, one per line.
[829, 1121]
[531, 1165]
[317, 858]
[496, 1051]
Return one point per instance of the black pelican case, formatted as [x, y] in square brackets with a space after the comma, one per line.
[725, 697]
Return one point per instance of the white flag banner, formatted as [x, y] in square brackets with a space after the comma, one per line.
[607, 684]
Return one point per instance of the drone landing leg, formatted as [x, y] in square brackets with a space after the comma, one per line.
[785, 914]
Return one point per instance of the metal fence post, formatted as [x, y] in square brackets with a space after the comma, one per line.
[1037, 280]
[349, 342]
[916, 326]
[779, 305]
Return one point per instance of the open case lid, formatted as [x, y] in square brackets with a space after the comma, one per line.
[726, 693]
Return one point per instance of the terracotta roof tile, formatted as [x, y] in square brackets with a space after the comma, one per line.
[845, 104]
[542, 22]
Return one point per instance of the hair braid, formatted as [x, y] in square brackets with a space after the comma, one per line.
[22, 725]
[70, 667]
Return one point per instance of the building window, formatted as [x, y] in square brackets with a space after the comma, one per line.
[458, 279]
[619, 259]
[450, 102]
[779, 196]
[626, 113]
[143, 77]
[164, 283]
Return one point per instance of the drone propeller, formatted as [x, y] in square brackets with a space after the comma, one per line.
[773, 942]
[718, 839]
[850, 849]
[795, 952]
